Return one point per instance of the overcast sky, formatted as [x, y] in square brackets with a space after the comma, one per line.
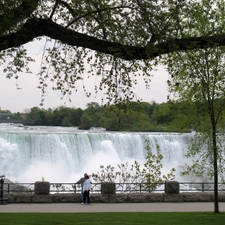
[29, 95]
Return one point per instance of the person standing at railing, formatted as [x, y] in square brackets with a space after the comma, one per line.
[86, 189]
[81, 182]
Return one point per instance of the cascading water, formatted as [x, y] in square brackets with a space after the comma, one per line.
[60, 154]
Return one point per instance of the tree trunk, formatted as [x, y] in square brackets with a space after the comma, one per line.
[215, 166]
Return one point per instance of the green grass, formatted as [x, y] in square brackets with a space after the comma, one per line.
[170, 218]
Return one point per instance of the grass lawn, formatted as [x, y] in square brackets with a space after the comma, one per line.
[154, 218]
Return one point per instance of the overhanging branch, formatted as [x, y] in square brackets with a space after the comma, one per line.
[44, 27]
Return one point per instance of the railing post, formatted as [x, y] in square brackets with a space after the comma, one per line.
[172, 187]
[75, 188]
[2, 186]
[2, 199]
[42, 187]
[108, 187]
[203, 187]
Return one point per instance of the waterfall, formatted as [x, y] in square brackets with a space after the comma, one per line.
[59, 154]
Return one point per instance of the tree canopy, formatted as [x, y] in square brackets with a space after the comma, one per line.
[127, 38]
[153, 28]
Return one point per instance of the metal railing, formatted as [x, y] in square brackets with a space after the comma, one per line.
[200, 187]
[29, 188]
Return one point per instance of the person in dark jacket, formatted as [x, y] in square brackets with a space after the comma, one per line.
[81, 182]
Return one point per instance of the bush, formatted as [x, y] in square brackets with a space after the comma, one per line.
[149, 175]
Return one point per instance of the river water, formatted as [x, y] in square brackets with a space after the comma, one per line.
[60, 154]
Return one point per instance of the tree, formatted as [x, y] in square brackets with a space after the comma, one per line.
[49, 117]
[17, 116]
[127, 38]
[66, 122]
[36, 116]
[110, 120]
[75, 116]
[24, 20]
[129, 176]
[204, 82]
[85, 121]
[126, 117]
[198, 76]
[94, 111]
[181, 116]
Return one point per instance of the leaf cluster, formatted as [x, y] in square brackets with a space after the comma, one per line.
[200, 151]
[148, 175]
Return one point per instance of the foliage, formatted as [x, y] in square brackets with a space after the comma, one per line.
[149, 175]
[200, 78]
[85, 122]
[200, 152]
[197, 76]
[91, 116]
[117, 41]
[172, 116]
[61, 116]
[16, 116]
[125, 118]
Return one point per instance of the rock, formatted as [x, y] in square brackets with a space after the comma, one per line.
[22, 198]
[41, 198]
[68, 198]
[114, 198]
[198, 197]
[173, 198]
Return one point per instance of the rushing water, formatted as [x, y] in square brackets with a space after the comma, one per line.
[62, 154]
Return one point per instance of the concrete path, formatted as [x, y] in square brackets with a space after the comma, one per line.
[112, 207]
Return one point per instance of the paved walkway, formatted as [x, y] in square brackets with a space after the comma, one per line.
[112, 207]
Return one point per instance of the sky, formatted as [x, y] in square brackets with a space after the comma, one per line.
[29, 95]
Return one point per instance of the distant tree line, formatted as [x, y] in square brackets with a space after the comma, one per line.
[131, 116]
